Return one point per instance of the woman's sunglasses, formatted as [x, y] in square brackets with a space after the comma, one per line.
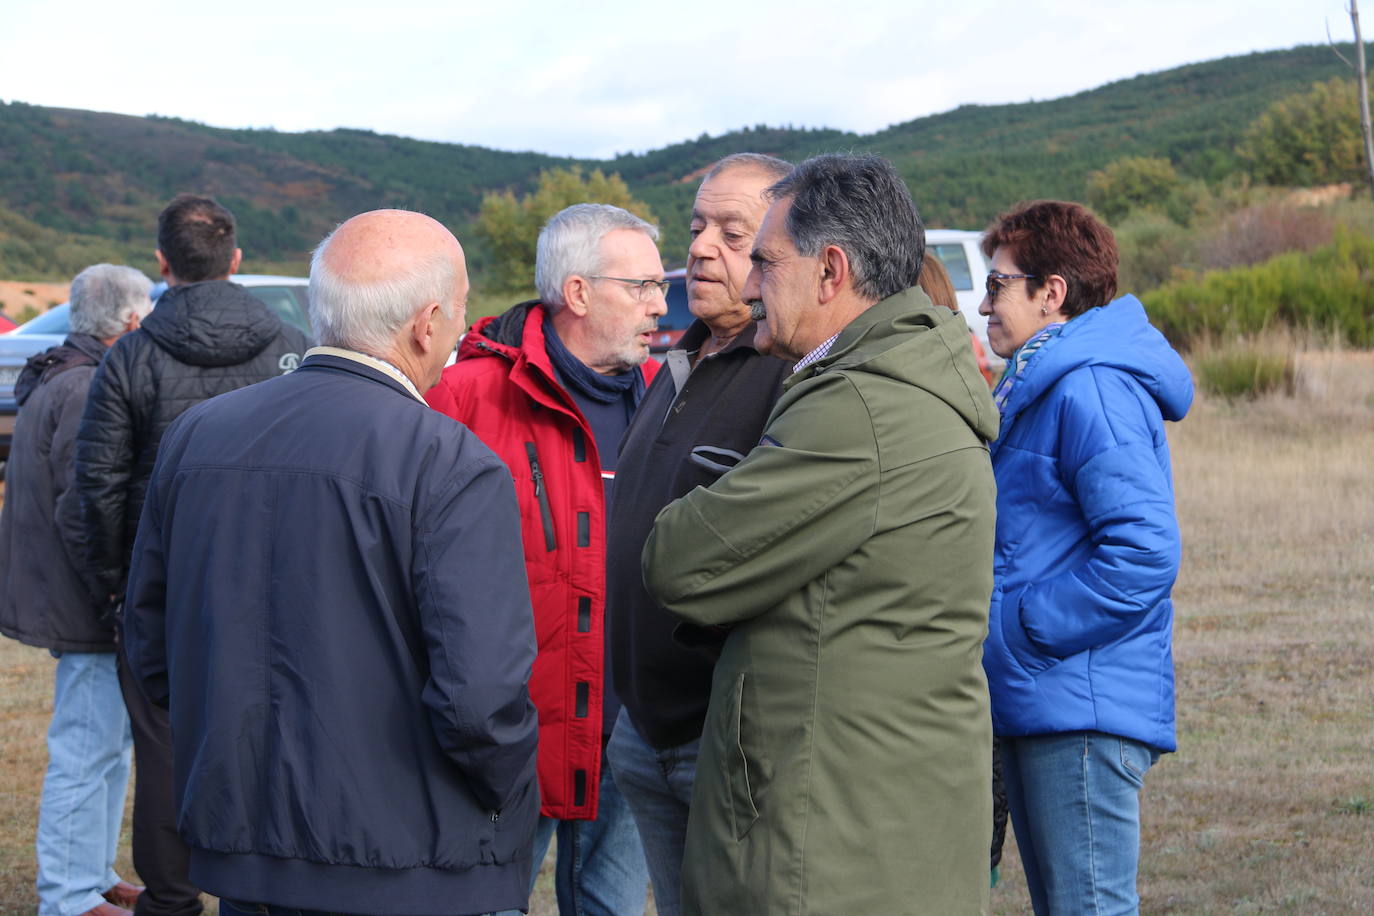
[995, 281]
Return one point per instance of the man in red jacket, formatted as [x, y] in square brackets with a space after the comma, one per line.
[550, 386]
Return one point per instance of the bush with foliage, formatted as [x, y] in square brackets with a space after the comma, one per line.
[1140, 183]
[1328, 290]
[1309, 138]
[1247, 367]
[509, 226]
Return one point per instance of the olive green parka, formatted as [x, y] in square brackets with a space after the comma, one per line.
[845, 764]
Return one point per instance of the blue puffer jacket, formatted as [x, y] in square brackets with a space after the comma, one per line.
[1087, 541]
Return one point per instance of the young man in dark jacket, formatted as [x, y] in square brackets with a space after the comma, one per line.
[700, 416]
[45, 601]
[551, 386]
[206, 336]
[327, 590]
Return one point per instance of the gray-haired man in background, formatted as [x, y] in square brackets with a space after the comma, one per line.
[45, 601]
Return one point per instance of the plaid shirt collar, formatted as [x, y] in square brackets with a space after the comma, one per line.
[817, 354]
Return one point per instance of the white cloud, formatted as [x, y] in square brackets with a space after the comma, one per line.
[615, 76]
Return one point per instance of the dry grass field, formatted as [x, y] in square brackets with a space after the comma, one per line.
[1269, 804]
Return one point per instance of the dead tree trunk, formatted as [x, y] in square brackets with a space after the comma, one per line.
[1363, 81]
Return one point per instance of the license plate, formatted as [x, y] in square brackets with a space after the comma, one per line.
[9, 375]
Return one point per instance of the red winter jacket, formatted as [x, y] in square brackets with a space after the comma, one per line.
[503, 387]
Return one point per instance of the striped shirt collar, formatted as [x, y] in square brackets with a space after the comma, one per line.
[374, 362]
[817, 354]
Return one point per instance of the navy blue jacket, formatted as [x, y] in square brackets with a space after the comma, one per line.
[1087, 540]
[328, 590]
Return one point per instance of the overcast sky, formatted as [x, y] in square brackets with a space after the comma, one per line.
[600, 78]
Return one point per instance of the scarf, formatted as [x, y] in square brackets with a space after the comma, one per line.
[589, 383]
[1019, 360]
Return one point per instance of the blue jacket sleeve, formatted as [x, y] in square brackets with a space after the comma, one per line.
[478, 629]
[1111, 439]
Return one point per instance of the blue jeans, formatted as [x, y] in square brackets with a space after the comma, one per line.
[89, 748]
[1075, 807]
[601, 870]
[658, 786]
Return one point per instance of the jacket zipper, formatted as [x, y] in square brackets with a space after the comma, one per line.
[541, 494]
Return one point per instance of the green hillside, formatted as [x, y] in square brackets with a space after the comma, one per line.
[76, 186]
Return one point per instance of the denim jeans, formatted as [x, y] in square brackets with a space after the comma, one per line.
[601, 870]
[658, 786]
[89, 749]
[1075, 808]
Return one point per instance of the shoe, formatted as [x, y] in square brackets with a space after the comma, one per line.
[123, 894]
[108, 909]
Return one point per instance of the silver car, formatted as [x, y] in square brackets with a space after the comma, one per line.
[284, 296]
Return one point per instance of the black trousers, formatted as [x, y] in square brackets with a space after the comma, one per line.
[160, 857]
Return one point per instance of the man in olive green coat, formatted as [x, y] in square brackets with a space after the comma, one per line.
[846, 760]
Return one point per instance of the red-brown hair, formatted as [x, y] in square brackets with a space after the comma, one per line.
[934, 281]
[1046, 237]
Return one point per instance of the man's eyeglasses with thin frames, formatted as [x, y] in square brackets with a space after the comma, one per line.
[643, 289]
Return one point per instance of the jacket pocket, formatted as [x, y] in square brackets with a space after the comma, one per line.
[541, 496]
[735, 765]
[1018, 641]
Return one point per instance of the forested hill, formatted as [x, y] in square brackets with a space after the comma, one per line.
[80, 186]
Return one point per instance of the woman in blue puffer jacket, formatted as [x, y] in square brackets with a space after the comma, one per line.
[1078, 654]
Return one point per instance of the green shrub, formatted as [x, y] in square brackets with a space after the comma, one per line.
[1329, 290]
[1245, 370]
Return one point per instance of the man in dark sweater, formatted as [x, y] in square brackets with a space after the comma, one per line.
[45, 602]
[206, 336]
[700, 417]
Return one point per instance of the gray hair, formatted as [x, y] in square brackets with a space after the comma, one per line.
[771, 166]
[366, 316]
[105, 296]
[570, 246]
[860, 204]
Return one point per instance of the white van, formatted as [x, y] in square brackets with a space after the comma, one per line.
[958, 250]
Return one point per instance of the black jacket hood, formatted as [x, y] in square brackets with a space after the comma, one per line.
[214, 323]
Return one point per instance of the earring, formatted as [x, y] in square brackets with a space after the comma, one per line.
[1044, 312]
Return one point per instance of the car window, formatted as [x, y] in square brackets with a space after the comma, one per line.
[282, 302]
[679, 315]
[956, 262]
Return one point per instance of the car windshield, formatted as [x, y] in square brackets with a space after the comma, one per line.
[53, 321]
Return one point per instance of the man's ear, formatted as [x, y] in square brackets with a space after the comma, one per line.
[577, 295]
[163, 270]
[834, 273]
[422, 330]
[235, 261]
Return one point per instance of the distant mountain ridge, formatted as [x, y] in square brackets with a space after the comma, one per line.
[81, 186]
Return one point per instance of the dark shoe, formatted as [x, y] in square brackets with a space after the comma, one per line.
[108, 909]
[123, 894]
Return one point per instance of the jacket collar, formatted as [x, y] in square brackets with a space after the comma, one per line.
[348, 361]
[697, 332]
[381, 365]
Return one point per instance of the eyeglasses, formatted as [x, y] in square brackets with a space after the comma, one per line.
[643, 289]
[997, 280]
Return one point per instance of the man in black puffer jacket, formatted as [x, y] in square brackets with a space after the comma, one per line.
[206, 336]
